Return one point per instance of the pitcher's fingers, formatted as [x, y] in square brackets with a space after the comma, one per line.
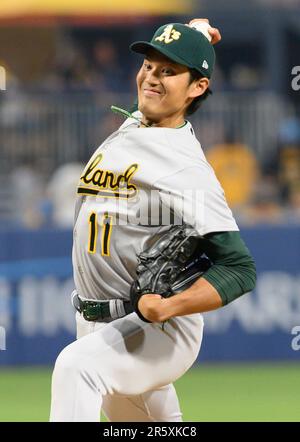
[215, 34]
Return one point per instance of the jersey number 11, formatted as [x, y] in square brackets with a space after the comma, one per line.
[106, 233]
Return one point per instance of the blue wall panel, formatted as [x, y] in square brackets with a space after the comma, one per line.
[37, 319]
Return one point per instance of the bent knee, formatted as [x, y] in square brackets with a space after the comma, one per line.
[70, 366]
[68, 362]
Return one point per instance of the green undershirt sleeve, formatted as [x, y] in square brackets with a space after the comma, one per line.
[233, 272]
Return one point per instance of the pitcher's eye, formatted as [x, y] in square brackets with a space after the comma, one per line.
[168, 71]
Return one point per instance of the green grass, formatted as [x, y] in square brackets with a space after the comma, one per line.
[208, 393]
[241, 393]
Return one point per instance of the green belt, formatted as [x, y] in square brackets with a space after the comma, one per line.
[100, 310]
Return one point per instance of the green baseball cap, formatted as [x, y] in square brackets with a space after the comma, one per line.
[182, 44]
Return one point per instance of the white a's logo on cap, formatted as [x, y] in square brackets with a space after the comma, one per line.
[205, 64]
[170, 34]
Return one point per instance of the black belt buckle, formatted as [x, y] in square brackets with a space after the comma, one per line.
[92, 310]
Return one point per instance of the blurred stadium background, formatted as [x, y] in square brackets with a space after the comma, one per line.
[62, 64]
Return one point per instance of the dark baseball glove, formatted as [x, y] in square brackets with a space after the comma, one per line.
[169, 266]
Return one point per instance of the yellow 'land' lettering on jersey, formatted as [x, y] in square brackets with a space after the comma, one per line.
[106, 183]
[169, 35]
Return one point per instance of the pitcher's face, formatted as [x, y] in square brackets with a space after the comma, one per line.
[164, 89]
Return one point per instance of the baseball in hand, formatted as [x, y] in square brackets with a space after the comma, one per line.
[203, 27]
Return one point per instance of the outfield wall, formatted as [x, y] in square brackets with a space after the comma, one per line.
[37, 319]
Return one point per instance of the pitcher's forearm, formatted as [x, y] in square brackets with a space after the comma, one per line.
[200, 297]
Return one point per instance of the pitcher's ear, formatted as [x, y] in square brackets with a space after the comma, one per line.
[199, 87]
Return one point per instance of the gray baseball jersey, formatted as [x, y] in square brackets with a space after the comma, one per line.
[138, 182]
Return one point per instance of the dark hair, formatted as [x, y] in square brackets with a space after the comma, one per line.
[197, 102]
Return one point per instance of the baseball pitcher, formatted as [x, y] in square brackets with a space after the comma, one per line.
[155, 245]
